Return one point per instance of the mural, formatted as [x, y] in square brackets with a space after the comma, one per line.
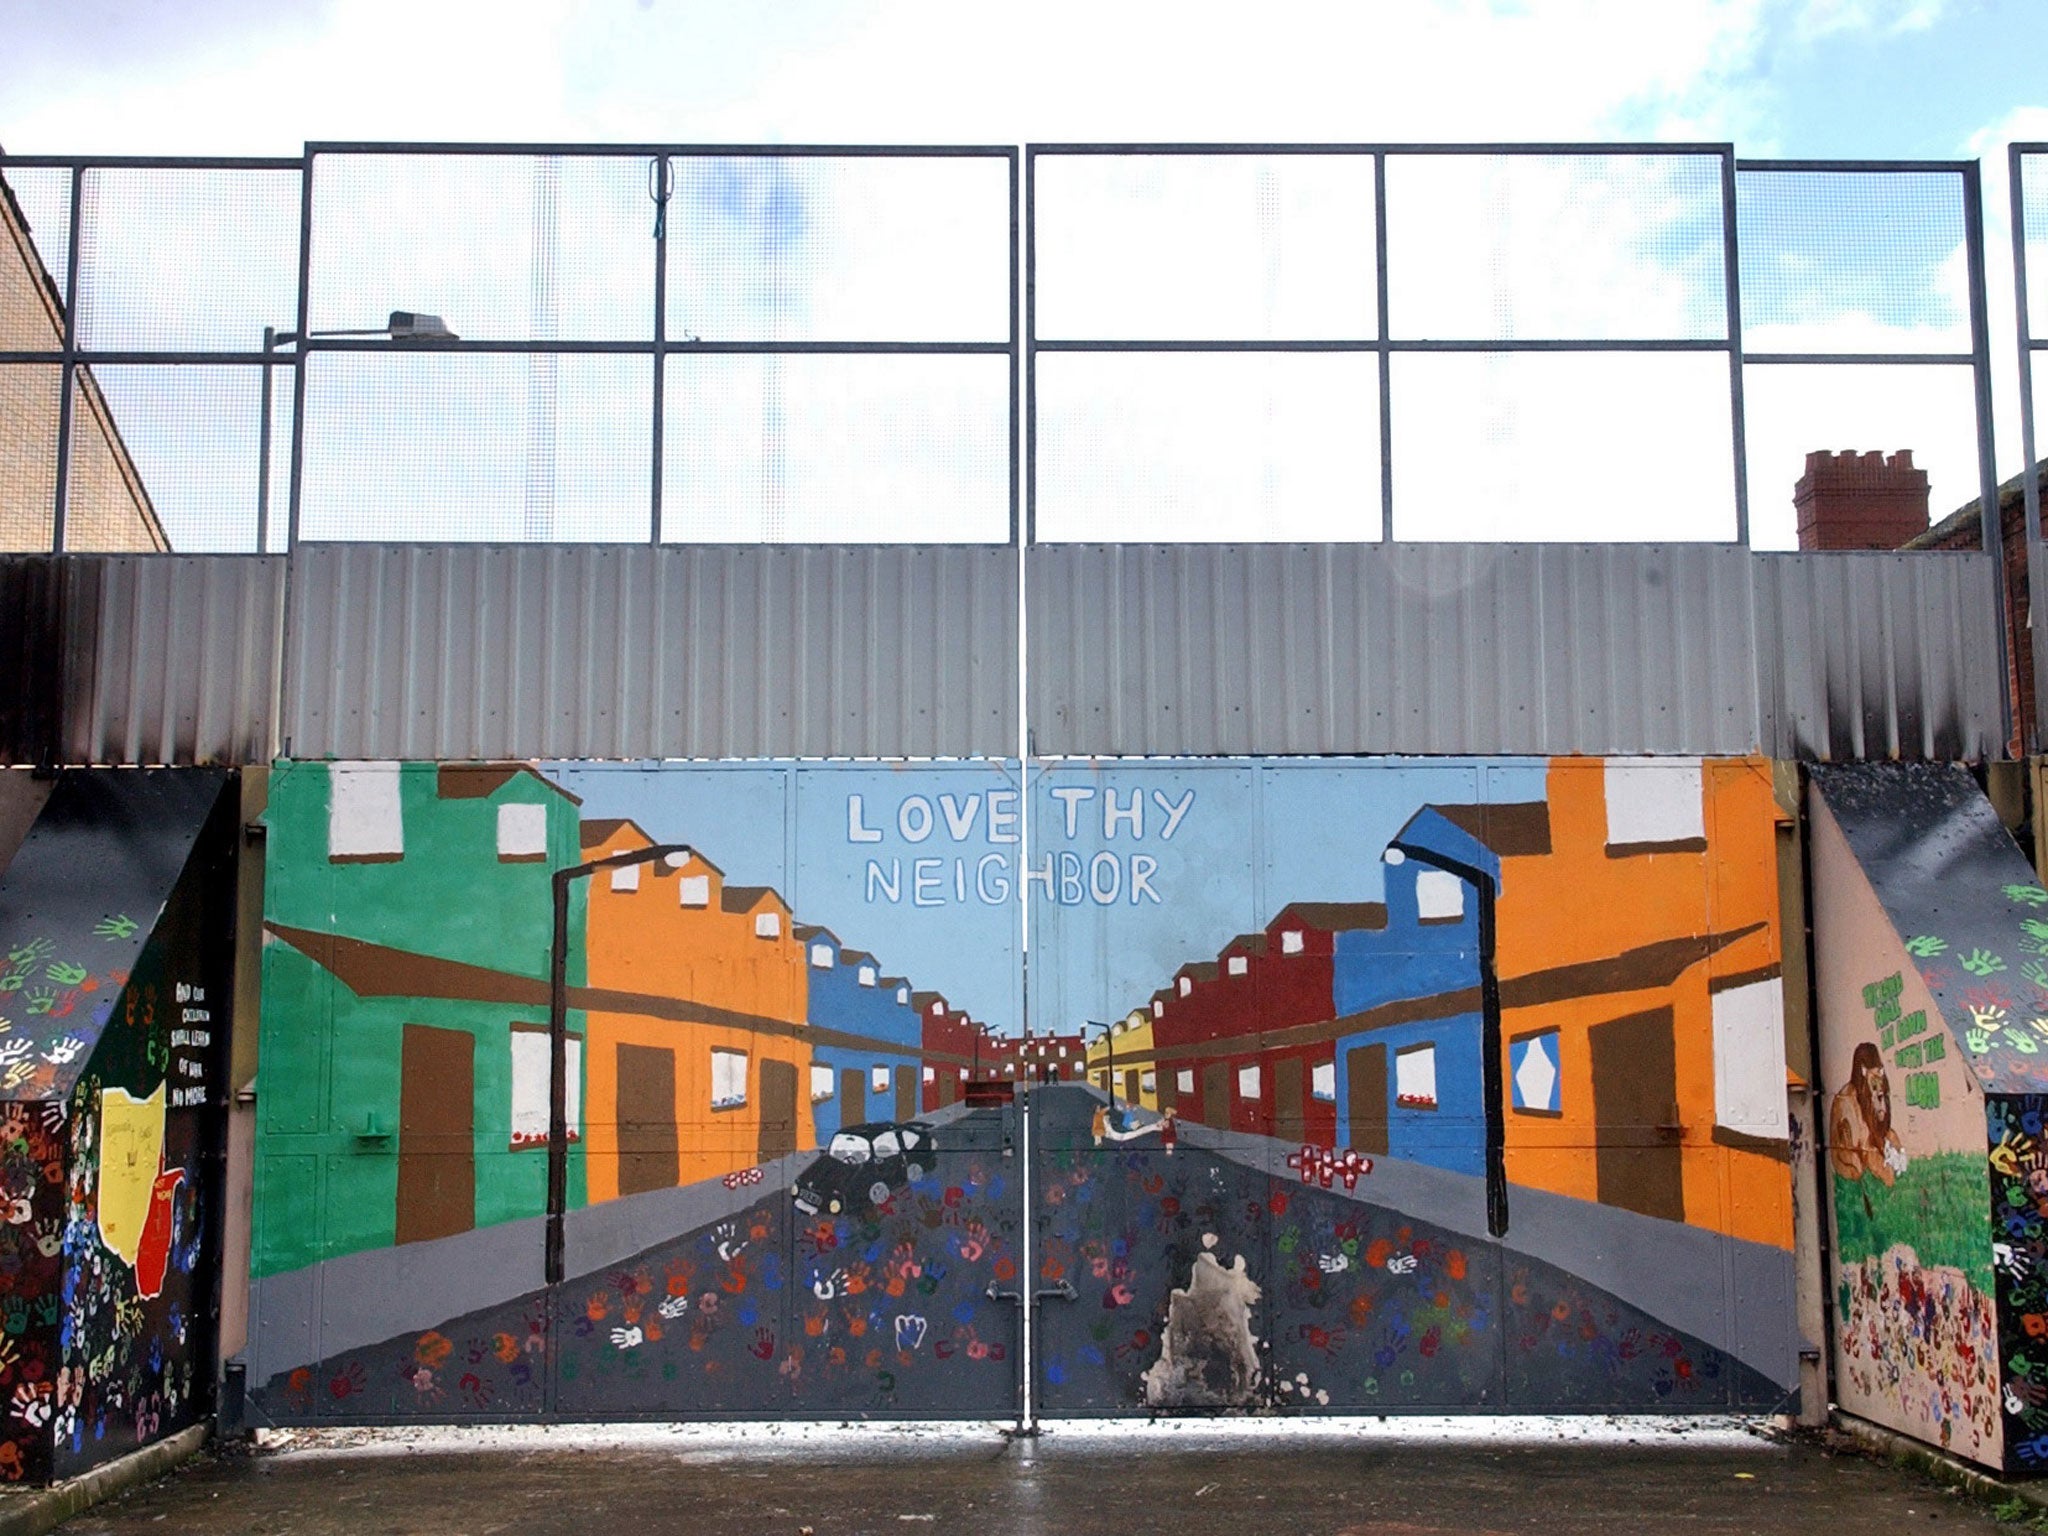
[114, 975]
[1931, 996]
[1367, 1082]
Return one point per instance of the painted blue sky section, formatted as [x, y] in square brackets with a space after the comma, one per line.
[1250, 840]
[788, 826]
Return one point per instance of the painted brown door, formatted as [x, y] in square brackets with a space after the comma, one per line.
[436, 1133]
[1130, 1085]
[1288, 1123]
[1365, 1094]
[1637, 1160]
[1169, 1089]
[778, 1109]
[1216, 1095]
[853, 1097]
[906, 1093]
[647, 1119]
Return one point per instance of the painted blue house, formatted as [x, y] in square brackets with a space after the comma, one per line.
[1411, 1080]
[866, 1041]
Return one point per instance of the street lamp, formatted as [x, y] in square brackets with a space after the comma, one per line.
[1108, 1054]
[404, 325]
[677, 855]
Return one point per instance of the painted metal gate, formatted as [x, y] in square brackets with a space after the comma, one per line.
[620, 1090]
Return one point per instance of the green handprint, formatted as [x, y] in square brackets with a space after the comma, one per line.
[41, 999]
[2030, 895]
[2037, 972]
[1981, 962]
[65, 974]
[1923, 945]
[119, 926]
[28, 954]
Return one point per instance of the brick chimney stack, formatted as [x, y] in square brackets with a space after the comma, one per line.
[1860, 500]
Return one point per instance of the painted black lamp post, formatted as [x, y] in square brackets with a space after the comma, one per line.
[677, 854]
[1108, 1054]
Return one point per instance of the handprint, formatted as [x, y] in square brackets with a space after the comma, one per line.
[49, 1236]
[1333, 1263]
[1401, 1264]
[763, 1347]
[1923, 946]
[37, 1000]
[2027, 895]
[66, 973]
[674, 1307]
[117, 926]
[825, 1287]
[1982, 962]
[627, 1338]
[64, 1051]
[730, 1243]
[25, 956]
[31, 1403]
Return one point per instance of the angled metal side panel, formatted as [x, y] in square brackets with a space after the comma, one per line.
[181, 655]
[1884, 655]
[453, 651]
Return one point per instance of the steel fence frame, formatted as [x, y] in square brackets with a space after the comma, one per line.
[1023, 344]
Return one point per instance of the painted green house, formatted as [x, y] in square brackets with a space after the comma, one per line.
[403, 1079]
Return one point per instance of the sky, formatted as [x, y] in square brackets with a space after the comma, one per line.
[1878, 79]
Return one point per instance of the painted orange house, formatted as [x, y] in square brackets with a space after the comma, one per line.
[1637, 958]
[696, 1047]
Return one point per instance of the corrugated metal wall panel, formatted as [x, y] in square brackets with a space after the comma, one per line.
[1884, 655]
[621, 651]
[1164, 649]
[184, 658]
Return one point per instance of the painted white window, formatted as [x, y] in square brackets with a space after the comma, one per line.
[767, 925]
[1290, 942]
[1184, 1080]
[1749, 1059]
[937, 1009]
[1414, 1077]
[1158, 1009]
[867, 975]
[728, 1079]
[878, 1079]
[1186, 986]
[823, 1085]
[522, 831]
[903, 994]
[363, 817]
[1239, 965]
[695, 891]
[626, 878]
[1439, 896]
[963, 1074]
[1148, 1082]
[1653, 801]
[1248, 1082]
[1063, 1053]
[1011, 1069]
[930, 1076]
[821, 957]
[1322, 1081]
[530, 1087]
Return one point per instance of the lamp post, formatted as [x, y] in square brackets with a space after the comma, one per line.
[404, 325]
[677, 855]
[1108, 1053]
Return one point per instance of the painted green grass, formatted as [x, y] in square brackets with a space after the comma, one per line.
[1940, 1208]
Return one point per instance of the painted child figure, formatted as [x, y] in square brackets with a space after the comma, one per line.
[1169, 1130]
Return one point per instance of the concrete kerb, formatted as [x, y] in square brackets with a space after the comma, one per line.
[30, 1512]
[1901, 1450]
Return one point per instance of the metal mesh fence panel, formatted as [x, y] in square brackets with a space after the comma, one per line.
[466, 446]
[1603, 247]
[504, 247]
[1562, 446]
[175, 443]
[836, 448]
[1204, 247]
[1792, 410]
[38, 222]
[880, 248]
[1182, 447]
[1853, 261]
[28, 455]
[2033, 190]
[186, 258]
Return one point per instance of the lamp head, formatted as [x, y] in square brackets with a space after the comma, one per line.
[410, 325]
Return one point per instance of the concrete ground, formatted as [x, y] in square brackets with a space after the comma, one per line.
[1357, 1478]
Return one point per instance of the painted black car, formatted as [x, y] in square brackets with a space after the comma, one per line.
[863, 1165]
